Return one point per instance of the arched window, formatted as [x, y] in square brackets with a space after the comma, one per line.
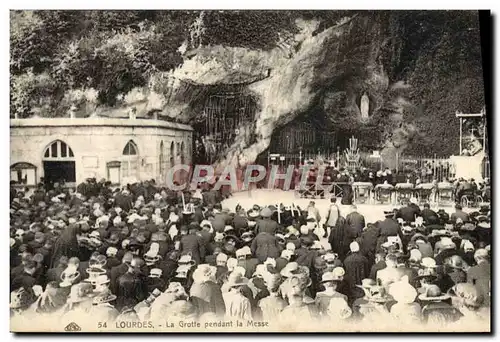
[130, 149]
[182, 152]
[58, 150]
[162, 160]
[130, 160]
[172, 154]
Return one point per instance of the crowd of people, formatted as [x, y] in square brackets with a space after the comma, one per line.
[146, 253]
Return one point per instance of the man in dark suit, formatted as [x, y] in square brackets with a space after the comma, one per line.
[118, 271]
[192, 244]
[266, 224]
[409, 212]
[132, 286]
[429, 215]
[355, 222]
[459, 214]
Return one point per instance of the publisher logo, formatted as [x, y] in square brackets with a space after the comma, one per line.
[72, 327]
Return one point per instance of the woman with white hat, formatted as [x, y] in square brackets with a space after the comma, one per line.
[330, 282]
[205, 294]
[406, 310]
[237, 305]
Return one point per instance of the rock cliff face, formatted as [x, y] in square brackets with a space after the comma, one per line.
[334, 66]
[416, 67]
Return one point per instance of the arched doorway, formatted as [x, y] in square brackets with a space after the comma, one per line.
[182, 153]
[130, 160]
[161, 161]
[59, 163]
[172, 154]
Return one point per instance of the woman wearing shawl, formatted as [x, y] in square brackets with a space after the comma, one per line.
[338, 239]
[66, 245]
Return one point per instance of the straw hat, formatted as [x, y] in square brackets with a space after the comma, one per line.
[335, 276]
[104, 297]
[428, 263]
[433, 293]
[186, 260]
[236, 279]
[402, 291]
[80, 292]
[68, 276]
[155, 273]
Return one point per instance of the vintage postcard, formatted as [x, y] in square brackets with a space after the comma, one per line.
[249, 171]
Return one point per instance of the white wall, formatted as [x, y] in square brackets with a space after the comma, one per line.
[94, 146]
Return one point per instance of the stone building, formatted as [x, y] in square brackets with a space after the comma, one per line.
[117, 149]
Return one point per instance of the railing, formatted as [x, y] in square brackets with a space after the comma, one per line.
[428, 168]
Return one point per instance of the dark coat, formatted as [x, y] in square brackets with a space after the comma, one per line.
[116, 273]
[193, 244]
[409, 213]
[356, 223]
[429, 215]
[267, 226]
[265, 246]
[356, 268]
[131, 290]
[339, 239]
[66, 245]
[249, 265]
[389, 227]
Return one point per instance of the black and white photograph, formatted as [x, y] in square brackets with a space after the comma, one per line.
[250, 171]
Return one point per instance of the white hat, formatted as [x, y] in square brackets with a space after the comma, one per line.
[428, 262]
[354, 247]
[270, 261]
[260, 270]
[231, 263]
[243, 251]
[402, 291]
[155, 273]
[111, 251]
[185, 259]
[467, 246]
[95, 234]
[304, 230]
[338, 272]
[221, 258]
[240, 270]
[287, 254]
[415, 255]
[316, 245]
[101, 280]
[447, 242]
[228, 228]
[206, 223]
[117, 220]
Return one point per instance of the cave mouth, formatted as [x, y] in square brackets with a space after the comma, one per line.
[304, 137]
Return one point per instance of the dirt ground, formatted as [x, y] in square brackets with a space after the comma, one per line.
[262, 197]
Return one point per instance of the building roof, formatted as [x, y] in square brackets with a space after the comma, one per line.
[65, 122]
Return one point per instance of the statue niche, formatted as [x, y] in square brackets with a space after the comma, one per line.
[365, 107]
